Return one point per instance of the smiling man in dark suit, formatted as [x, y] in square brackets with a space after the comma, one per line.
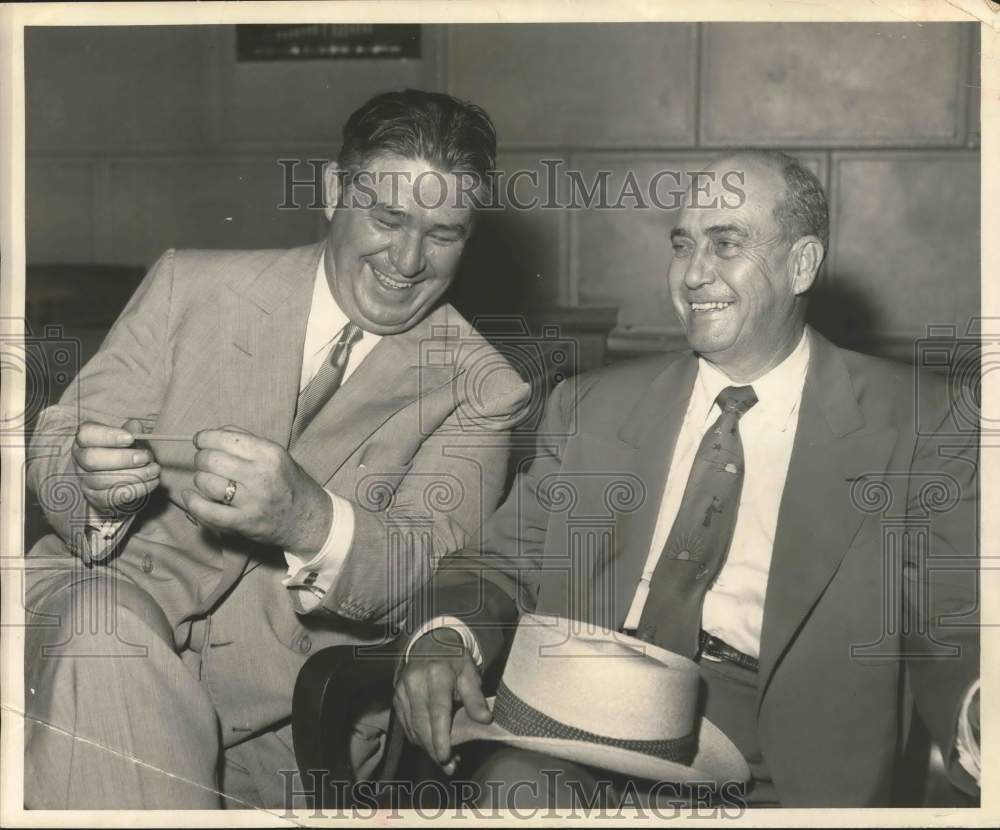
[339, 450]
[753, 544]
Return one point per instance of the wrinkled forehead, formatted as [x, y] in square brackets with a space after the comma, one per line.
[731, 191]
[412, 185]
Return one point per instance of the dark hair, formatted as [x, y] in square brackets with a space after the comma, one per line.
[453, 136]
[802, 209]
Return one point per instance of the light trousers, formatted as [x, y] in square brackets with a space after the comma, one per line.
[119, 718]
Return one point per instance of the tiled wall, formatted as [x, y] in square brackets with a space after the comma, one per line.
[884, 113]
[146, 138]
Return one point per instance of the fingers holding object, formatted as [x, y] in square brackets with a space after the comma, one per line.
[95, 459]
[470, 694]
[233, 441]
[441, 705]
[121, 496]
[414, 689]
[424, 702]
[109, 479]
[91, 434]
[401, 703]
[222, 464]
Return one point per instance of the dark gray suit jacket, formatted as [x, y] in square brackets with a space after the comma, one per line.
[873, 565]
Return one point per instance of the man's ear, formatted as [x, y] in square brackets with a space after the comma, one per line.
[333, 180]
[805, 260]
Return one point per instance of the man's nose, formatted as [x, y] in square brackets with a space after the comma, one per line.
[408, 255]
[699, 271]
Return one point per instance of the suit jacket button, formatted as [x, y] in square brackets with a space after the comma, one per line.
[147, 564]
[305, 644]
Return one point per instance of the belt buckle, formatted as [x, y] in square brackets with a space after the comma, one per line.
[705, 648]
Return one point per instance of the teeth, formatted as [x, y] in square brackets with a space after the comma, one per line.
[709, 306]
[390, 282]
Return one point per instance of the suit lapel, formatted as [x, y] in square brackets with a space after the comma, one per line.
[268, 326]
[392, 376]
[261, 372]
[651, 428]
[265, 327]
[817, 520]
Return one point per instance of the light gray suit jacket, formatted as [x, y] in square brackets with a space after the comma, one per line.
[417, 438]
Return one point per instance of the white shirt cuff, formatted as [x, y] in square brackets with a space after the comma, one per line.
[454, 623]
[308, 580]
[102, 535]
[965, 741]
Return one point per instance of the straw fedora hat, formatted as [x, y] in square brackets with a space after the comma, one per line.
[604, 699]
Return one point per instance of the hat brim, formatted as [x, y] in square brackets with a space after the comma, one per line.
[717, 760]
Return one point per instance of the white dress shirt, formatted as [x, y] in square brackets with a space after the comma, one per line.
[734, 604]
[309, 579]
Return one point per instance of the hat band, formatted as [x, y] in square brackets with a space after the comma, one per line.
[524, 720]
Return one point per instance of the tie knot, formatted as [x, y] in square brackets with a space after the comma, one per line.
[350, 334]
[738, 399]
[341, 349]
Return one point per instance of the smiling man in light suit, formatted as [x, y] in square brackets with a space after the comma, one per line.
[342, 444]
[803, 524]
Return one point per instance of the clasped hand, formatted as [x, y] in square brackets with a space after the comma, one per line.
[275, 502]
[114, 475]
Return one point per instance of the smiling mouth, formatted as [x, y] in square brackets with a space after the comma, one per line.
[712, 306]
[388, 282]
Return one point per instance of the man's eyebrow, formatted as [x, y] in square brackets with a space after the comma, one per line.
[677, 233]
[450, 227]
[460, 227]
[737, 229]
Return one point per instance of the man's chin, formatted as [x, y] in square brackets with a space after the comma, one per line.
[391, 322]
[707, 345]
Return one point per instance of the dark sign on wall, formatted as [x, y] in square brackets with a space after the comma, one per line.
[320, 40]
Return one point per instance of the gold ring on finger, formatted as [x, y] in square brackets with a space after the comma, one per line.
[230, 492]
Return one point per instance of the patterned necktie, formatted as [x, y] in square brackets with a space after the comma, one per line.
[327, 380]
[703, 530]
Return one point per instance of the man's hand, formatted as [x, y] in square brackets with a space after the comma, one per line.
[112, 472]
[275, 502]
[368, 741]
[438, 673]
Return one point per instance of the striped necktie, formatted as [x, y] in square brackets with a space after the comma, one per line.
[327, 380]
[702, 532]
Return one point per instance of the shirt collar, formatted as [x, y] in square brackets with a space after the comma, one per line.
[326, 318]
[778, 392]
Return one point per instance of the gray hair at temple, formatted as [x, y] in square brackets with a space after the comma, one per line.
[451, 135]
[802, 209]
